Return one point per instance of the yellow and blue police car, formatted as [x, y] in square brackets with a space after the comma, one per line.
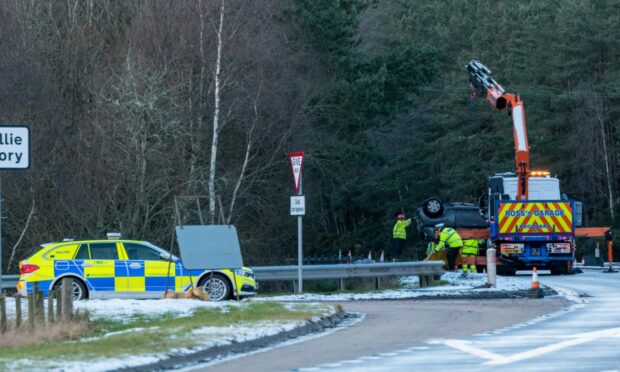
[125, 268]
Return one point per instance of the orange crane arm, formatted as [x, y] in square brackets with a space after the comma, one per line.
[481, 81]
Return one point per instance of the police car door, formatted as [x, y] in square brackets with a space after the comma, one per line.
[148, 271]
[104, 271]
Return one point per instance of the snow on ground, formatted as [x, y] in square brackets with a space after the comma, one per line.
[126, 309]
[473, 283]
[208, 336]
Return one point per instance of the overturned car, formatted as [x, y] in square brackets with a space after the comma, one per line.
[455, 215]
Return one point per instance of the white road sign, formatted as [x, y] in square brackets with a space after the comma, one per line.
[297, 161]
[14, 147]
[298, 205]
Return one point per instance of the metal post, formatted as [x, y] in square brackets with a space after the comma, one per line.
[300, 260]
[491, 267]
[1, 235]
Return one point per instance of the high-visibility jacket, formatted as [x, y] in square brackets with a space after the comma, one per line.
[448, 236]
[399, 229]
[470, 246]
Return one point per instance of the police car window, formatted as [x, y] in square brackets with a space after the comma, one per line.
[82, 253]
[103, 251]
[141, 252]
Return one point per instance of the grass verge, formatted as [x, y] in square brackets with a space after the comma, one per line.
[144, 335]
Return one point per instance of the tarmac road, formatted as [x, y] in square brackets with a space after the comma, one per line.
[389, 326]
[583, 337]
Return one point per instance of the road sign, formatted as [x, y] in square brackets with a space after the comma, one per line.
[297, 160]
[298, 205]
[14, 147]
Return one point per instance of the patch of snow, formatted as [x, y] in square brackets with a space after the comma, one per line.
[472, 283]
[125, 309]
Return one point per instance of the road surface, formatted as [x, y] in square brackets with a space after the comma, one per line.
[389, 326]
[585, 337]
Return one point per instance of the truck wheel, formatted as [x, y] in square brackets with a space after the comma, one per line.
[506, 271]
[432, 207]
[561, 268]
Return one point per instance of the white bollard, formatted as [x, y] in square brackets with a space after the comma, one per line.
[491, 267]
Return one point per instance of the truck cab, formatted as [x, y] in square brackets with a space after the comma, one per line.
[538, 231]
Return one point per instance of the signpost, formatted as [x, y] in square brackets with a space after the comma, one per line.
[14, 155]
[298, 208]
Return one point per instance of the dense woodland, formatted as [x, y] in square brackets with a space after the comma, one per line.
[132, 103]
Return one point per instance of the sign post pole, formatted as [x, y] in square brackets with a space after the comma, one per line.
[300, 251]
[298, 208]
[0, 235]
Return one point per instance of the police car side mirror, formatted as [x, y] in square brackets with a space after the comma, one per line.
[166, 256]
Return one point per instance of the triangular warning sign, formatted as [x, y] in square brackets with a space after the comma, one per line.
[297, 161]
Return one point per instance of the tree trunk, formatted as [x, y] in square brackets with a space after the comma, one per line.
[216, 117]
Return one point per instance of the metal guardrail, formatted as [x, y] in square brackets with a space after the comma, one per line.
[346, 271]
[318, 272]
[9, 281]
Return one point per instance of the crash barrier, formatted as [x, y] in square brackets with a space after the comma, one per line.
[331, 260]
[59, 307]
[9, 281]
[425, 270]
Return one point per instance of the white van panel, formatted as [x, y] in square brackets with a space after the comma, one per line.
[540, 188]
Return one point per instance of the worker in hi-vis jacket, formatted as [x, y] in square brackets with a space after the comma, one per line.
[450, 240]
[469, 253]
[399, 234]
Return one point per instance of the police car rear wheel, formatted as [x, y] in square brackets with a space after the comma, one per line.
[79, 289]
[217, 287]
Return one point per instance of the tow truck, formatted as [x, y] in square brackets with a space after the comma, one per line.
[528, 221]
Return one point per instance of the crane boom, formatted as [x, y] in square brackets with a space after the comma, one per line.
[481, 80]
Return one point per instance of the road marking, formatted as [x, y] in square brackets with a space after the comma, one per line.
[496, 359]
[467, 347]
[578, 340]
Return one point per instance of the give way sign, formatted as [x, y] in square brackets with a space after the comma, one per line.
[297, 160]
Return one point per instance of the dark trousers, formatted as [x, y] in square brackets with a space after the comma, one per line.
[398, 245]
[452, 253]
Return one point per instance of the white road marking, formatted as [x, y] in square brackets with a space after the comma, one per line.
[496, 359]
[579, 339]
[467, 347]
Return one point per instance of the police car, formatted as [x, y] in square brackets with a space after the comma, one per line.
[125, 268]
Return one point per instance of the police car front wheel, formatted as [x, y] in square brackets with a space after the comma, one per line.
[218, 287]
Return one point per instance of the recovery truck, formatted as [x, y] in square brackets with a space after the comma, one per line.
[530, 223]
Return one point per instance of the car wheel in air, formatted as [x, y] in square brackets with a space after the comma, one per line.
[433, 207]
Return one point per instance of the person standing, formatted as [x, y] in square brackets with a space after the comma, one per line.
[469, 253]
[450, 240]
[399, 234]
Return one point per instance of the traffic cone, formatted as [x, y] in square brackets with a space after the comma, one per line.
[535, 290]
[382, 258]
[370, 255]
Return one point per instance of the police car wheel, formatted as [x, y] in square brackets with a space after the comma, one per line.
[79, 289]
[217, 287]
